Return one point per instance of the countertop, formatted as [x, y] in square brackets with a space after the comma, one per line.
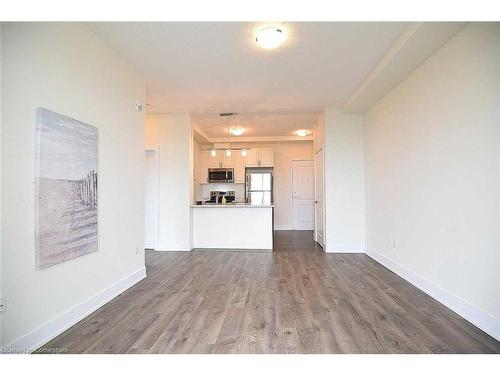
[233, 205]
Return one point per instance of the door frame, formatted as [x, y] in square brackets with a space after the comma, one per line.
[291, 189]
[156, 150]
[315, 234]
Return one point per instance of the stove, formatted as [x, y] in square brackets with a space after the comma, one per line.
[216, 196]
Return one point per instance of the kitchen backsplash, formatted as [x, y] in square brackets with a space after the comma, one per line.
[239, 190]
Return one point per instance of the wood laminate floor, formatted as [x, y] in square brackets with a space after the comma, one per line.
[296, 301]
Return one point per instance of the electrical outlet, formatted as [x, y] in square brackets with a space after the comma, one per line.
[136, 250]
[3, 304]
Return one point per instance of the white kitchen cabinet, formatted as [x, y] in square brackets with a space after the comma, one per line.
[226, 161]
[252, 159]
[239, 167]
[214, 161]
[220, 160]
[265, 157]
[259, 157]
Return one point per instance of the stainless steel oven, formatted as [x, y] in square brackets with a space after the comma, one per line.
[221, 175]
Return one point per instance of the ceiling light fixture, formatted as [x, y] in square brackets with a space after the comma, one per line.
[237, 131]
[271, 37]
[234, 131]
[303, 132]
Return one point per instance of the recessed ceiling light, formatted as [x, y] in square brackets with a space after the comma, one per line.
[303, 132]
[271, 37]
[237, 131]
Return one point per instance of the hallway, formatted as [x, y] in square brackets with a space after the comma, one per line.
[295, 240]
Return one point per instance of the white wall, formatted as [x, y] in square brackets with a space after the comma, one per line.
[173, 134]
[343, 140]
[64, 67]
[433, 176]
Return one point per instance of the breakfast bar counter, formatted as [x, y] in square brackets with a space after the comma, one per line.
[232, 226]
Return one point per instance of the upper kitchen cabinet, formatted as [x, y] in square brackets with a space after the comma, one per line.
[239, 167]
[260, 157]
[252, 159]
[226, 161]
[220, 160]
[266, 157]
[214, 161]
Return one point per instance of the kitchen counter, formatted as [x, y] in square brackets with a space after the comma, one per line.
[237, 226]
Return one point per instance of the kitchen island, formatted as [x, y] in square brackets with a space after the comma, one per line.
[232, 226]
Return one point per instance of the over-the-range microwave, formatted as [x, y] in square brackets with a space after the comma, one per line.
[221, 175]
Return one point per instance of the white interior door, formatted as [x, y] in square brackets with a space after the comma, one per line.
[318, 194]
[303, 194]
[151, 200]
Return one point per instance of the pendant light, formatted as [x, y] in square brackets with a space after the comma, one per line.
[228, 150]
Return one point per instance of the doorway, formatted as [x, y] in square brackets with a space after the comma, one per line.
[303, 194]
[151, 198]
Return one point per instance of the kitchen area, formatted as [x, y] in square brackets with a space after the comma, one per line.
[233, 198]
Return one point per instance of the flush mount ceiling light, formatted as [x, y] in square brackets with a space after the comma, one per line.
[271, 37]
[237, 131]
[303, 132]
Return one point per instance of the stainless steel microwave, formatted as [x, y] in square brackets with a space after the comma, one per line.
[221, 175]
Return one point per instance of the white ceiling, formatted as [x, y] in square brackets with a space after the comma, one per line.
[207, 68]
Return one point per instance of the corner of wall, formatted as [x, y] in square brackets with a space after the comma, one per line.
[344, 193]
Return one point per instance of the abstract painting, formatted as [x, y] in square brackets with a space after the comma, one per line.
[66, 189]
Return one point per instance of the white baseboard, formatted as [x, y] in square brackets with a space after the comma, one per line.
[172, 250]
[282, 227]
[473, 314]
[47, 331]
[344, 248]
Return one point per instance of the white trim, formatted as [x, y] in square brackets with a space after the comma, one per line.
[47, 331]
[354, 248]
[236, 140]
[184, 249]
[282, 227]
[323, 244]
[473, 314]
[156, 149]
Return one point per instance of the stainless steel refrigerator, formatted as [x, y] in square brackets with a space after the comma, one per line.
[259, 186]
